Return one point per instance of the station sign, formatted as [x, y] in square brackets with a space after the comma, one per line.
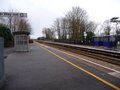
[10, 14]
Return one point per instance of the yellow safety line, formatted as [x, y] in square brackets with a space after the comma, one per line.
[80, 68]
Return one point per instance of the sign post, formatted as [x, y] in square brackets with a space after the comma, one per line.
[85, 35]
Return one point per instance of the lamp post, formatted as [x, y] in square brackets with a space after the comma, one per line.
[117, 21]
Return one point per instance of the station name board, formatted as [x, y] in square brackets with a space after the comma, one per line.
[10, 14]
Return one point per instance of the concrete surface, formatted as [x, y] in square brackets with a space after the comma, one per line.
[8, 51]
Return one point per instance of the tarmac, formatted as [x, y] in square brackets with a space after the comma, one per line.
[40, 70]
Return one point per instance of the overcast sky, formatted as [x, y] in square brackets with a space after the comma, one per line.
[42, 13]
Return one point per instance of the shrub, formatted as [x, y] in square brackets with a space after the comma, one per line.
[6, 34]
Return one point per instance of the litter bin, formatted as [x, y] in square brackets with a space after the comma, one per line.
[2, 76]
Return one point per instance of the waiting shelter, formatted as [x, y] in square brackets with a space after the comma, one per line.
[21, 40]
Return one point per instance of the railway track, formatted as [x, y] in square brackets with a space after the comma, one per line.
[99, 54]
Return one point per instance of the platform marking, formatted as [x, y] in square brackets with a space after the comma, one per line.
[115, 74]
[80, 68]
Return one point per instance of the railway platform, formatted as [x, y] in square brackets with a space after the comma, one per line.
[44, 68]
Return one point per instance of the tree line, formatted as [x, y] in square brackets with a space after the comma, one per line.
[71, 28]
[75, 27]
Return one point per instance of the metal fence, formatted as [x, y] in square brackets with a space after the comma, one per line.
[2, 76]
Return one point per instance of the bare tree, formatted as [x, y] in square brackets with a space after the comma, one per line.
[64, 29]
[48, 33]
[2, 20]
[117, 29]
[72, 26]
[11, 19]
[23, 25]
[90, 26]
[106, 26]
[57, 27]
[77, 19]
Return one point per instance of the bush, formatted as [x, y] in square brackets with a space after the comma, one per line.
[6, 34]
